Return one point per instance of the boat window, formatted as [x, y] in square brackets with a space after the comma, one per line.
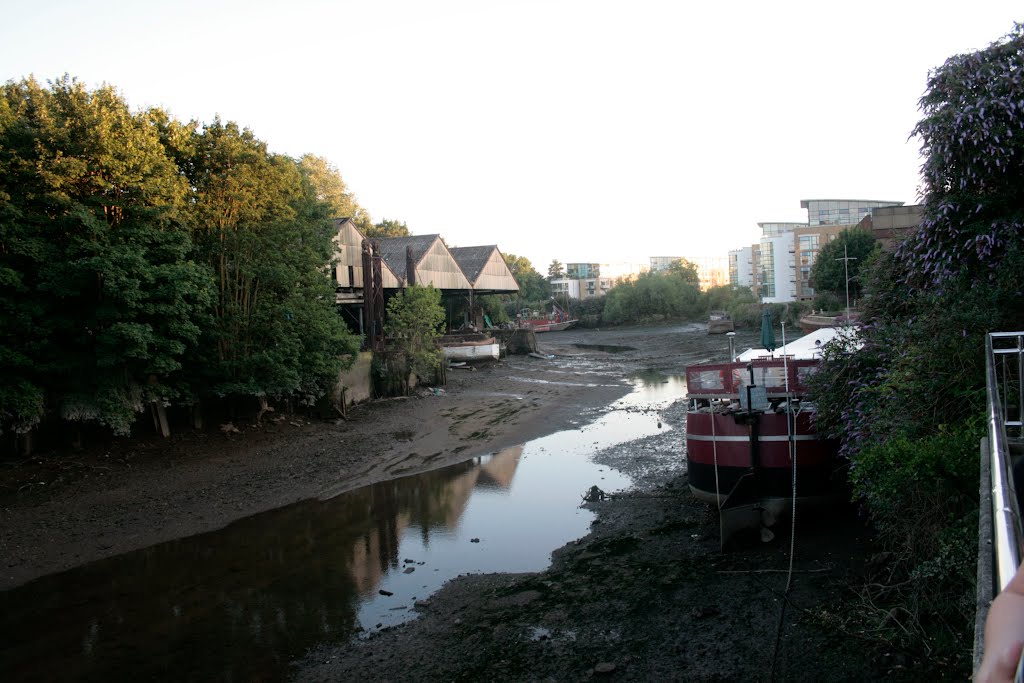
[772, 376]
[706, 379]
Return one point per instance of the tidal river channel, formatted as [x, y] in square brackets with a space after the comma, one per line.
[242, 602]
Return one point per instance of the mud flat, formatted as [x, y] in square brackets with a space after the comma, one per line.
[645, 596]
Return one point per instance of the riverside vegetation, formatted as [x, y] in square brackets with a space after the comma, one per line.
[148, 260]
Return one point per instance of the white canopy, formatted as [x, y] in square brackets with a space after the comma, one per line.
[807, 347]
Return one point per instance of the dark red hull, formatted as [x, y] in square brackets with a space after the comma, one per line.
[725, 439]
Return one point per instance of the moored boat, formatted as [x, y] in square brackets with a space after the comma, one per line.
[748, 425]
[470, 347]
[720, 322]
[555, 321]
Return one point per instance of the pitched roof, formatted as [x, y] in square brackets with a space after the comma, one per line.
[472, 259]
[392, 250]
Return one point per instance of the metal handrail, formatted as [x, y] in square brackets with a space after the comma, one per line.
[1001, 539]
[1004, 366]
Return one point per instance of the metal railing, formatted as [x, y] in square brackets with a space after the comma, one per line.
[1001, 539]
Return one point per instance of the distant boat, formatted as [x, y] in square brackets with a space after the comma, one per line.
[809, 322]
[556, 321]
[720, 322]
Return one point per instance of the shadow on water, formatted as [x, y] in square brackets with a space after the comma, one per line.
[241, 602]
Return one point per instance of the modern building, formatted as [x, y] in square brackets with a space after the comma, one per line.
[781, 263]
[662, 263]
[713, 271]
[741, 267]
[841, 211]
[582, 271]
[891, 225]
[774, 279]
[581, 288]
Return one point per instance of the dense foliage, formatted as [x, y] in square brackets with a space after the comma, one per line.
[840, 261]
[414, 323]
[909, 405]
[385, 229]
[533, 287]
[148, 261]
[673, 293]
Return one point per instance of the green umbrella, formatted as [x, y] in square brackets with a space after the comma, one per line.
[767, 332]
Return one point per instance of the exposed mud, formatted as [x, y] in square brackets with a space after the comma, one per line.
[647, 595]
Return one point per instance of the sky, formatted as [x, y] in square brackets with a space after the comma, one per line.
[576, 130]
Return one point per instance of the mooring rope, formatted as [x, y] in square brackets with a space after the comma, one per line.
[714, 450]
[790, 428]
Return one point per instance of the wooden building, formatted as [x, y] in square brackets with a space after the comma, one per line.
[486, 270]
[476, 270]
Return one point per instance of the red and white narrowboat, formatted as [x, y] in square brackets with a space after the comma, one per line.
[748, 427]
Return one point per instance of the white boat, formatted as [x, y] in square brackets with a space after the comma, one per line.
[473, 350]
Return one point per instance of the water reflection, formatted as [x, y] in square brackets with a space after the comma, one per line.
[240, 603]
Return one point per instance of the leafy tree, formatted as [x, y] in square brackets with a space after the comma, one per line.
[388, 228]
[330, 189]
[101, 298]
[415, 319]
[654, 296]
[262, 227]
[532, 285]
[909, 404]
[556, 270]
[830, 271]
[685, 270]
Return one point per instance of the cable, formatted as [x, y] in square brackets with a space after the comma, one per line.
[791, 442]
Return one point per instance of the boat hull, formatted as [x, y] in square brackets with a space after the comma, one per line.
[554, 327]
[481, 350]
[719, 453]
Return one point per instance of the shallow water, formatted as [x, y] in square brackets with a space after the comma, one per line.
[241, 602]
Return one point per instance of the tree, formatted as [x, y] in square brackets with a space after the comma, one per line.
[388, 228]
[532, 285]
[684, 270]
[556, 270]
[909, 404]
[974, 162]
[101, 299]
[831, 272]
[330, 189]
[414, 323]
[264, 230]
[654, 296]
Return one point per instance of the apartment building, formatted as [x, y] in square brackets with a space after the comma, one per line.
[781, 263]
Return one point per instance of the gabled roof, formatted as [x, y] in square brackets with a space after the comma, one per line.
[392, 251]
[472, 259]
[485, 268]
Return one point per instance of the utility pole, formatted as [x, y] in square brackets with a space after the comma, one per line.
[846, 269]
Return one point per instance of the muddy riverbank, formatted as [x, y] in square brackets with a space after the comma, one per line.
[645, 596]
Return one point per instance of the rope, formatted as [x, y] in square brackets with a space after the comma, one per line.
[790, 428]
[714, 450]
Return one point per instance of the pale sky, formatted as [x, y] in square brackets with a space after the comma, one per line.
[582, 130]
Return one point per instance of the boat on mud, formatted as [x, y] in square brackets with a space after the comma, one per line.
[555, 321]
[720, 322]
[470, 347]
[749, 429]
